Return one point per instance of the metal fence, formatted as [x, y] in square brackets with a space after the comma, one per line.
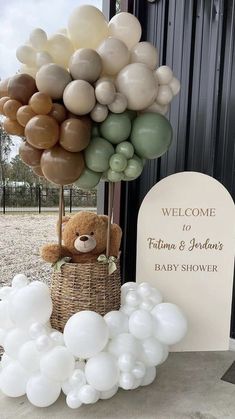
[40, 199]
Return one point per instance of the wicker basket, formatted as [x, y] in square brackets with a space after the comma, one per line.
[84, 286]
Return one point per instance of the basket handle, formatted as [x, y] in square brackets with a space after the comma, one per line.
[61, 213]
[110, 214]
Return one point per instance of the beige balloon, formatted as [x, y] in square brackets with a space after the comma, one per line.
[164, 74]
[26, 55]
[79, 97]
[137, 82]
[156, 108]
[125, 27]
[146, 53]
[32, 71]
[4, 87]
[99, 113]
[175, 86]
[114, 54]
[105, 92]
[52, 79]
[87, 27]
[43, 58]
[60, 48]
[119, 104]
[38, 38]
[85, 64]
[164, 95]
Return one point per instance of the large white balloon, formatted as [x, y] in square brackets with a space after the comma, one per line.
[14, 340]
[117, 322]
[125, 27]
[140, 324]
[86, 334]
[5, 320]
[57, 364]
[13, 380]
[41, 391]
[29, 356]
[102, 371]
[170, 324]
[104, 395]
[125, 343]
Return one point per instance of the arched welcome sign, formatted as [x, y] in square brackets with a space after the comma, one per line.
[185, 247]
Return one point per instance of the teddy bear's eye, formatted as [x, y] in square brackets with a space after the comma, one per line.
[77, 234]
[92, 234]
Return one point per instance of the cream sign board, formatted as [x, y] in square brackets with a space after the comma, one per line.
[185, 248]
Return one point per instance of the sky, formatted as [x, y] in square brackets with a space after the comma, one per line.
[19, 17]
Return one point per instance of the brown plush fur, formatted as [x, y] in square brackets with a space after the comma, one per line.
[92, 227]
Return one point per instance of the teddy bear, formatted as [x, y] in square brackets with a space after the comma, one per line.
[84, 237]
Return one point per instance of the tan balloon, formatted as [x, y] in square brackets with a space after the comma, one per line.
[75, 135]
[13, 127]
[60, 48]
[24, 114]
[99, 113]
[137, 82]
[146, 53]
[3, 100]
[125, 27]
[58, 112]
[29, 154]
[52, 80]
[79, 97]
[85, 64]
[164, 74]
[38, 38]
[114, 54]
[41, 103]
[26, 55]
[38, 171]
[60, 166]
[4, 87]
[42, 131]
[21, 87]
[175, 86]
[105, 92]
[119, 104]
[11, 107]
[87, 27]
[164, 95]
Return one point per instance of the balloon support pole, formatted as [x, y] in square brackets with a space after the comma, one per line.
[110, 213]
[61, 213]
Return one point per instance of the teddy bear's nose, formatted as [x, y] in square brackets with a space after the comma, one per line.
[83, 238]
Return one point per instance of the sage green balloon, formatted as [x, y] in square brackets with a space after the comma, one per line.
[125, 148]
[116, 127]
[88, 179]
[95, 131]
[131, 114]
[139, 159]
[97, 154]
[134, 168]
[151, 135]
[114, 176]
[118, 162]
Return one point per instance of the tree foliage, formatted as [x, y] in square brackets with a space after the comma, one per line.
[5, 149]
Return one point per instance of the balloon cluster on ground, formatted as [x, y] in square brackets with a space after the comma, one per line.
[94, 356]
[90, 100]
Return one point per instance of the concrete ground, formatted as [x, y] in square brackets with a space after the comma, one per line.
[188, 386]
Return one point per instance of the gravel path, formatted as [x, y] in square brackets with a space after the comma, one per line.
[21, 237]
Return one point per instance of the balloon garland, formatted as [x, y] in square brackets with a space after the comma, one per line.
[94, 356]
[90, 100]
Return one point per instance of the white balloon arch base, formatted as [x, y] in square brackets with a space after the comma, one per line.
[94, 356]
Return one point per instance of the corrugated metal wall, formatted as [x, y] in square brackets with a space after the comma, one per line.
[195, 38]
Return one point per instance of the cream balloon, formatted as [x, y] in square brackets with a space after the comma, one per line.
[119, 104]
[63, 31]
[114, 54]
[105, 92]
[85, 64]
[164, 74]
[42, 58]
[125, 27]
[146, 53]
[32, 71]
[52, 79]
[26, 55]
[38, 38]
[99, 113]
[79, 97]
[87, 27]
[156, 108]
[137, 82]
[164, 95]
[60, 48]
[174, 85]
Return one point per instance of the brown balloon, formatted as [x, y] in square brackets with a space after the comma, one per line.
[58, 112]
[3, 100]
[42, 131]
[24, 114]
[4, 87]
[29, 154]
[75, 135]
[37, 171]
[21, 87]
[61, 167]
[41, 103]
[13, 127]
[11, 107]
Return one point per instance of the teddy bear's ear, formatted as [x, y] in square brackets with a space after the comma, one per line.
[64, 222]
[104, 218]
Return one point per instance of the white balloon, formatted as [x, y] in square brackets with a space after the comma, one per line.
[126, 362]
[164, 74]
[75, 381]
[146, 305]
[153, 352]
[124, 343]
[5, 320]
[146, 53]
[104, 395]
[132, 299]
[137, 383]
[38, 38]
[88, 394]
[57, 337]
[126, 27]
[41, 391]
[73, 400]
[36, 329]
[14, 340]
[126, 380]
[43, 58]
[44, 343]
[29, 356]
[140, 324]
[57, 364]
[165, 354]
[26, 55]
[139, 370]
[102, 371]
[128, 286]
[174, 85]
[164, 95]
[119, 104]
[156, 296]
[13, 379]
[99, 113]
[127, 309]
[3, 334]
[86, 334]
[31, 304]
[170, 324]
[117, 322]
[5, 293]
[149, 377]
[144, 289]
[20, 281]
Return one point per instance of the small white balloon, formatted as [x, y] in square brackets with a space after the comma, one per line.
[104, 395]
[156, 296]
[126, 362]
[153, 352]
[6, 360]
[119, 104]
[144, 289]
[88, 395]
[57, 364]
[170, 324]
[13, 380]
[127, 310]
[126, 380]
[5, 293]
[140, 324]
[20, 281]
[99, 113]
[5, 320]
[29, 356]
[117, 322]
[147, 305]
[105, 91]
[101, 371]
[149, 377]
[41, 391]
[73, 400]
[125, 343]
[139, 370]
[14, 340]
[36, 329]
[3, 334]
[137, 383]
[44, 343]
[38, 38]
[164, 95]
[174, 85]
[78, 378]
[164, 74]
[132, 299]
[146, 53]
[57, 337]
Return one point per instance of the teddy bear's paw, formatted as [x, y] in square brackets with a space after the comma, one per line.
[51, 253]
